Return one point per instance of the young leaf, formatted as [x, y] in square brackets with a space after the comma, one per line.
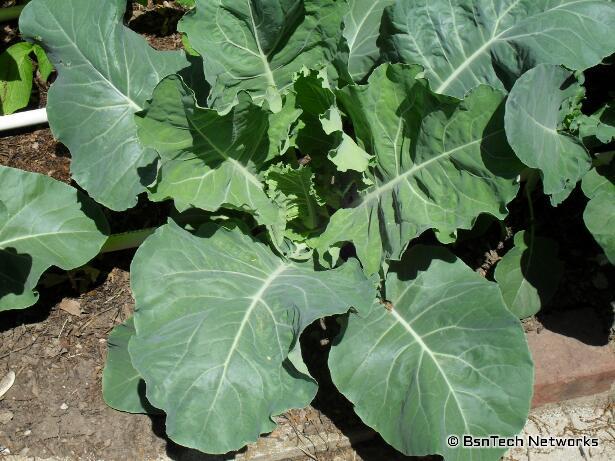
[294, 190]
[216, 317]
[257, 46]
[600, 125]
[466, 43]
[123, 388]
[532, 119]
[599, 216]
[15, 77]
[208, 160]
[321, 131]
[361, 30]
[529, 274]
[445, 357]
[439, 163]
[106, 72]
[43, 223]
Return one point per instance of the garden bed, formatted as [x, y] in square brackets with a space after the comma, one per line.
[58, 347]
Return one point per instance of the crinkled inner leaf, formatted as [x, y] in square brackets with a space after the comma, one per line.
[294, 190]
[216, 317]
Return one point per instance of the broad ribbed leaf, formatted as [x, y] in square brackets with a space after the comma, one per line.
[216, 317]
[258, 45]
[529, 274]
[439, 163]
[123, 388]
[106, 72]
[466, 43]
[208, 160]
[43, 223]
[533, 118]
[599, 216]
[448, 358]
[361, 30]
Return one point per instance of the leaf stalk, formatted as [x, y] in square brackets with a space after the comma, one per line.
[126, 240]
[10, 13]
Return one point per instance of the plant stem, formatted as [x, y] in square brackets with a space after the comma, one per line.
[126, 240]
[10, 13]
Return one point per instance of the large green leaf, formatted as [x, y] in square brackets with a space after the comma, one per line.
[361, 30]
[208, 160]
[445, 358]
[533, 118]
[43, 223]
[216, 317]
[529, 274]
[106, 72]
[599, 216]
[123, 388]
[465, 43]
[258, 45]
[439, 163]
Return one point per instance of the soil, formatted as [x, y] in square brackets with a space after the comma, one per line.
[55, 407]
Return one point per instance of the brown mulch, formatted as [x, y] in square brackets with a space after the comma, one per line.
[36, 151]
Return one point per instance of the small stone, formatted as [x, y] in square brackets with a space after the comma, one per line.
[4, 451]
[27, 432]
[72, 306]
[5, 416]
[64, 406]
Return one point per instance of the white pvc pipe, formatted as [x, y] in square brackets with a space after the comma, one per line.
[21, 119]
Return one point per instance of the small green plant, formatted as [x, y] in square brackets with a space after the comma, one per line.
[17, 73]
[299, 132]
[17, 70]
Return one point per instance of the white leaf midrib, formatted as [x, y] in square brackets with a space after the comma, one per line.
[256, 299]
[496, 36]
[425, 348]
[379, 190]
